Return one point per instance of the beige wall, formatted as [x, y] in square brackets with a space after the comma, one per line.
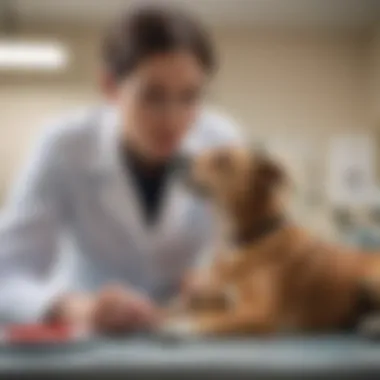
[24, 110]
[273, 83]
[281, 83]
[375, 76]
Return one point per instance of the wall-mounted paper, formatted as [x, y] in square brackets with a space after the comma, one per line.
[351, 172]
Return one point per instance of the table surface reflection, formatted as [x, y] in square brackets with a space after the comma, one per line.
[329, 355]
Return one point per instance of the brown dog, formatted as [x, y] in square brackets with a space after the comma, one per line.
[273, 276]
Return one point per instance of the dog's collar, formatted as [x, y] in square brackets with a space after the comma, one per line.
[260, 231]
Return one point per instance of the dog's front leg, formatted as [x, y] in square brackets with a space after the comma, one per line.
[254, 311]
[243, 322]
[237, 322]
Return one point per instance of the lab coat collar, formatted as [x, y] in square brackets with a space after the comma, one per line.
[110, 135]
[120, 195]
[109, 130]
[117, 191]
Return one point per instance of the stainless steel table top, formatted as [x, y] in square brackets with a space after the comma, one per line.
[334, 356]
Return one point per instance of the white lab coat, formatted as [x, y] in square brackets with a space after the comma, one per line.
[74, 197]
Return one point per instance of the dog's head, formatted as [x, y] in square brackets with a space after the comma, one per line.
[243, 184]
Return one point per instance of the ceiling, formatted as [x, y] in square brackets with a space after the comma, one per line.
[351, 14]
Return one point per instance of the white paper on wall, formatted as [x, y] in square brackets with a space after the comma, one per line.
[351, 173]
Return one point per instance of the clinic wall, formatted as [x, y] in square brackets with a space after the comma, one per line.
[272, 83]
[298, 83]
[24, 110]
[375, 77]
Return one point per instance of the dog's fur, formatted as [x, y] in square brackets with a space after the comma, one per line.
[273, 277]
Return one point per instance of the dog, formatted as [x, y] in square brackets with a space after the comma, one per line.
[272, 276]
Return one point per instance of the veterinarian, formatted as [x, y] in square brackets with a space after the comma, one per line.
[101, 184]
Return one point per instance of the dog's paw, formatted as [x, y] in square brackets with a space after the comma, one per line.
[178, 328]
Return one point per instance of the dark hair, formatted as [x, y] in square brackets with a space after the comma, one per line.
[147, 30]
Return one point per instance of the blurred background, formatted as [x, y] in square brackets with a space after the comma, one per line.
[301, 75]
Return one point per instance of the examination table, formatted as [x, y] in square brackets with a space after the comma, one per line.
[337, 357]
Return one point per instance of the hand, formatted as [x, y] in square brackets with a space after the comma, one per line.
[74, 309]
[119, 310]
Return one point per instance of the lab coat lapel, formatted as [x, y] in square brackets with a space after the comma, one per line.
[175, 206]
[118, 193]
[120, 196]
[172, 214]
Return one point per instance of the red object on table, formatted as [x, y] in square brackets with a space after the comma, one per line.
[38, 333]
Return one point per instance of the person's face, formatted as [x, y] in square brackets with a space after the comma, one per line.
[159, 101]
